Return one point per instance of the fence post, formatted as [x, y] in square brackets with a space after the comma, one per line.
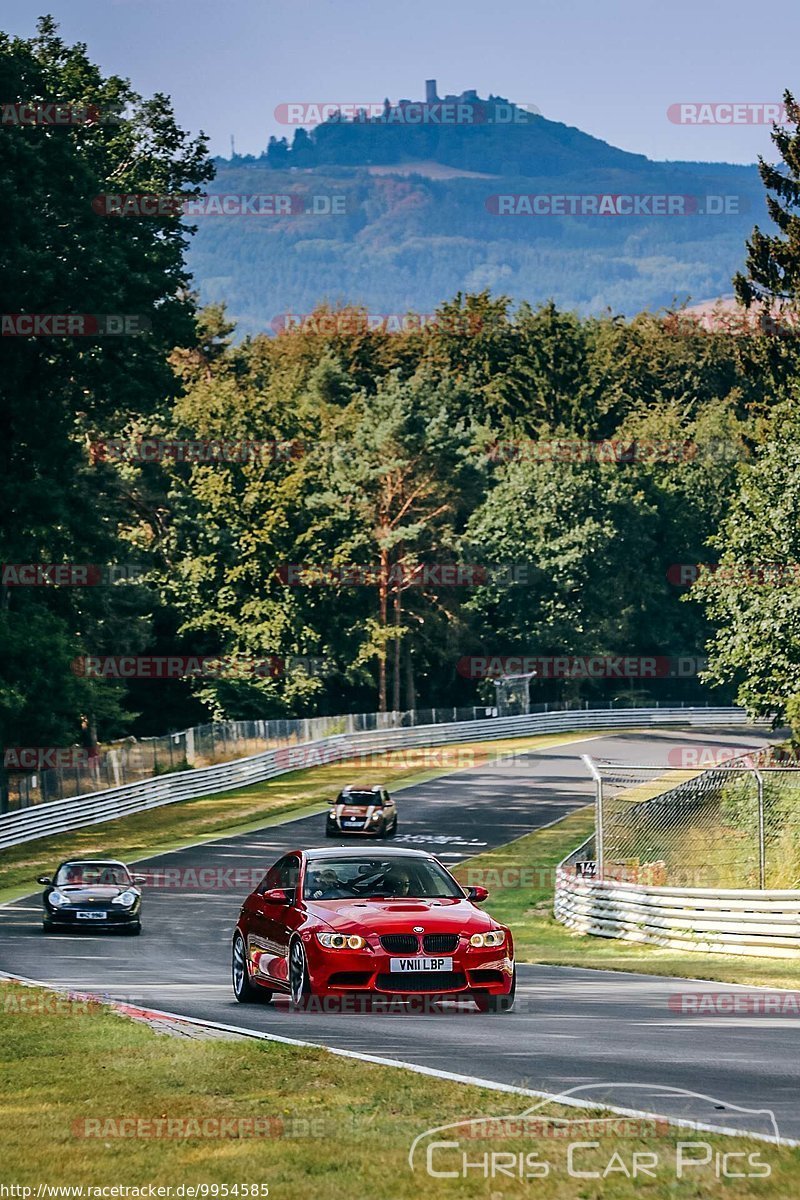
[762, 856]
[598, 814]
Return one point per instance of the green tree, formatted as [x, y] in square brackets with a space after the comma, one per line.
[753, 598]
[582, 534]
[773, 260]
[58, 395]
[398, 487]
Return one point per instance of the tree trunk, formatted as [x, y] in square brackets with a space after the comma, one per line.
[396, 676]
[411, 698]
[383, 606]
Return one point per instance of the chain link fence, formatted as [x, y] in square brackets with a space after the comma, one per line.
[131, 760]
[732, 825]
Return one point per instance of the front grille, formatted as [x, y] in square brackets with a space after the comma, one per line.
[400, 943]
[421, 981]
[440, 943]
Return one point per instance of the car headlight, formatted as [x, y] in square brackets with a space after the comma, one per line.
[495, 937]
[126, 899]
[376, 816]
[341, 941]
[58, 899]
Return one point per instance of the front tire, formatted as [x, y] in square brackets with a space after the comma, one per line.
[299, 982]
[245, 991]
[133, 930]
[498, 1004]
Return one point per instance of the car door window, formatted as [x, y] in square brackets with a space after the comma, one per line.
[284, 874]
[272, 879]
[289, 873]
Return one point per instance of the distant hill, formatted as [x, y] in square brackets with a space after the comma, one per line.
[412, 236]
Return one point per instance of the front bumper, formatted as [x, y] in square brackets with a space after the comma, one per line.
[334, 972]
[363, 829]
[115, 916]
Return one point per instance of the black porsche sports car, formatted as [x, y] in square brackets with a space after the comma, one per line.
[92, 894]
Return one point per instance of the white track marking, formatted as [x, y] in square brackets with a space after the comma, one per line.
[434, 1072]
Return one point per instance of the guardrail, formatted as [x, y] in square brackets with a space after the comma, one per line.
[748, 921]
[723, 921]
[61, 816]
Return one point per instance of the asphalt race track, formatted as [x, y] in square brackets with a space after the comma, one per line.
[615, 1032]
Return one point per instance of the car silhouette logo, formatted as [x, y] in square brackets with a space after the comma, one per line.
[418, 929]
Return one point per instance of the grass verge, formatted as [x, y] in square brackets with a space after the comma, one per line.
[168, 1111]
[300, 793]
[521, 878]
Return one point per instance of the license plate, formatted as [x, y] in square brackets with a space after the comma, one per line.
[421, 964]
[91, 916]
[353, 821]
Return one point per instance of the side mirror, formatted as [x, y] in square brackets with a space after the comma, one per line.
[276, 896]
[139, 878]
[477, 894]
[45, 879]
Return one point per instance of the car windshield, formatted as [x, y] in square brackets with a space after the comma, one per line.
[86, 874]
[377, 877]
[360, 798]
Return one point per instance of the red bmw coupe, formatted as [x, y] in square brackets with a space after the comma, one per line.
[392, 922]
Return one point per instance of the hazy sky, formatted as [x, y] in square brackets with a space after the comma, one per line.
[612, 69]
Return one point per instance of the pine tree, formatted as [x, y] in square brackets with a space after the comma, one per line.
[773, 261]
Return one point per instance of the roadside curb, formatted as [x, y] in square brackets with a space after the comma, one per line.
[153, 1015]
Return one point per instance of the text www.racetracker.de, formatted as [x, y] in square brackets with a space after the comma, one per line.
[182, 1191]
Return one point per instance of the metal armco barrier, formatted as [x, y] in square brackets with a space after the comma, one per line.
[61, 816]
[711, 920]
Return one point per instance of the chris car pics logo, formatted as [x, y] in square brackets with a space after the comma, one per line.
[607, 1143]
